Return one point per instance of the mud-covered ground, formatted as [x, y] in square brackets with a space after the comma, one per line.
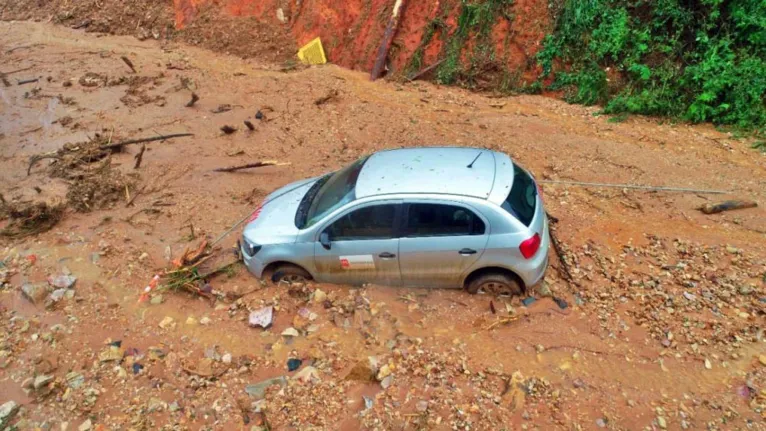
[663, 326]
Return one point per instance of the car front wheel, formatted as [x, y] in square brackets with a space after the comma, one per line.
[494, 284]
[290, 274]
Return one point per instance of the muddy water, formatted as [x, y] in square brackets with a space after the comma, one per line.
[602, 365]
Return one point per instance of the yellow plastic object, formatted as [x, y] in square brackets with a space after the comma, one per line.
[312, 53]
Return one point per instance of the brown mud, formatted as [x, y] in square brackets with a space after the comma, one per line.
[664, 323]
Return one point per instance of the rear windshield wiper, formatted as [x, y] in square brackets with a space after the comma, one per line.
[302, 213]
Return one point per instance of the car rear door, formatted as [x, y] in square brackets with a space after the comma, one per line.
[439, 242]
[364, 246]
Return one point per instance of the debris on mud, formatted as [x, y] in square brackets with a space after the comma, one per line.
[727, 206]
[194, 99]
[251, 166]
[331, 95]
[228, 129]
[27, 219]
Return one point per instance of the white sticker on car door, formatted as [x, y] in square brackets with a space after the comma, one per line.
[356, 262]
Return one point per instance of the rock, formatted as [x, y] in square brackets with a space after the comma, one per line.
[661, 422]
[204, 321]
[155, 405]
[112, 353]
[385, 383]
[258, 390]
[226, 358]
[58, 295]
[421, 406]
[544, 290]
[63, 281]
[708, 364]
[319, 296]
[7, 412]
[290, 332]
[745, 290]
[384, 372]
[167, 322]
[307, 374]
[156, 299]
[168, 255]
[762, 360]
[362, 371]
[85, 426]
[293, 364]
[191, 321]
[601, 423]
[41, 381]
[75, 379]
[35, 292]
[261, 317]
[143, 257]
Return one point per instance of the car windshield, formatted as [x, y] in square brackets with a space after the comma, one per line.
[522, 200]
[338, 189]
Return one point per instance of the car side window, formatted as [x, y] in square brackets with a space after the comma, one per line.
[442, 220]
[371, 222]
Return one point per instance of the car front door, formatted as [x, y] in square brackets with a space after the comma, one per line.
[361, 246]
[439, 243]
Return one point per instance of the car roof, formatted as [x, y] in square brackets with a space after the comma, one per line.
[439, 170]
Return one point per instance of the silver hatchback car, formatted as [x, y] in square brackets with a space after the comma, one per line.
[422, 217]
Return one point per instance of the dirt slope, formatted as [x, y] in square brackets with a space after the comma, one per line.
[664, 323]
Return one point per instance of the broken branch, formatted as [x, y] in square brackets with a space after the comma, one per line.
[142, 140]
[250, 166]
[129, 63]
[326, 98]
[139, 157]
[727, 206]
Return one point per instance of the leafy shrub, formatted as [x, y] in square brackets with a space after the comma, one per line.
[698, 60]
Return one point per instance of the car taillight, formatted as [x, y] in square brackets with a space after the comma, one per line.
[530, 246]
[255, 214]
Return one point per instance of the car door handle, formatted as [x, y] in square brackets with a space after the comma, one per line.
[387, 255]
[467, 251]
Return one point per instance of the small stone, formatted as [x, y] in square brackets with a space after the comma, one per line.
[7, 412]
[745, 290]
[258, 390]
[421, 406]
[690, 296]
[85, 426]
[143, 257]
[601, 423]
[191, 321]
[319, 296]
[290, 332]
[708, 364]
[36, 292]
[112, 353]
[307, 374]
[156, 299]
[385, 383]
[762, 360]
[64, 281]
[41, 381]
[262, 317]
[155, 405]
[384, 372]
[544, 290]
[166, 323]
[75, 379]
[661, 422]
[168, 253]
[204, 320]
[226, 358]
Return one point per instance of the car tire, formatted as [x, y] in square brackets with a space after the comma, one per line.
[494, 283]
[290, 274]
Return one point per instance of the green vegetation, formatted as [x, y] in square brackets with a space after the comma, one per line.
[478, 18]
[697, 60]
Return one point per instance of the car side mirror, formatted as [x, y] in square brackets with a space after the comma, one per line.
[324, 239]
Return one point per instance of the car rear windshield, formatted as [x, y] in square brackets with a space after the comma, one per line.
[522, 200]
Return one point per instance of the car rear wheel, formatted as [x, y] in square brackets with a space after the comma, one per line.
[494, 284]
[290, 274]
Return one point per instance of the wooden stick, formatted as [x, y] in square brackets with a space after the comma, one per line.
[426, 70]
[633, 186]
[250, 166]
[142, 140]
[388, 36]
[139, 157]
[127, 61]
[28, 81]
[727, 206]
